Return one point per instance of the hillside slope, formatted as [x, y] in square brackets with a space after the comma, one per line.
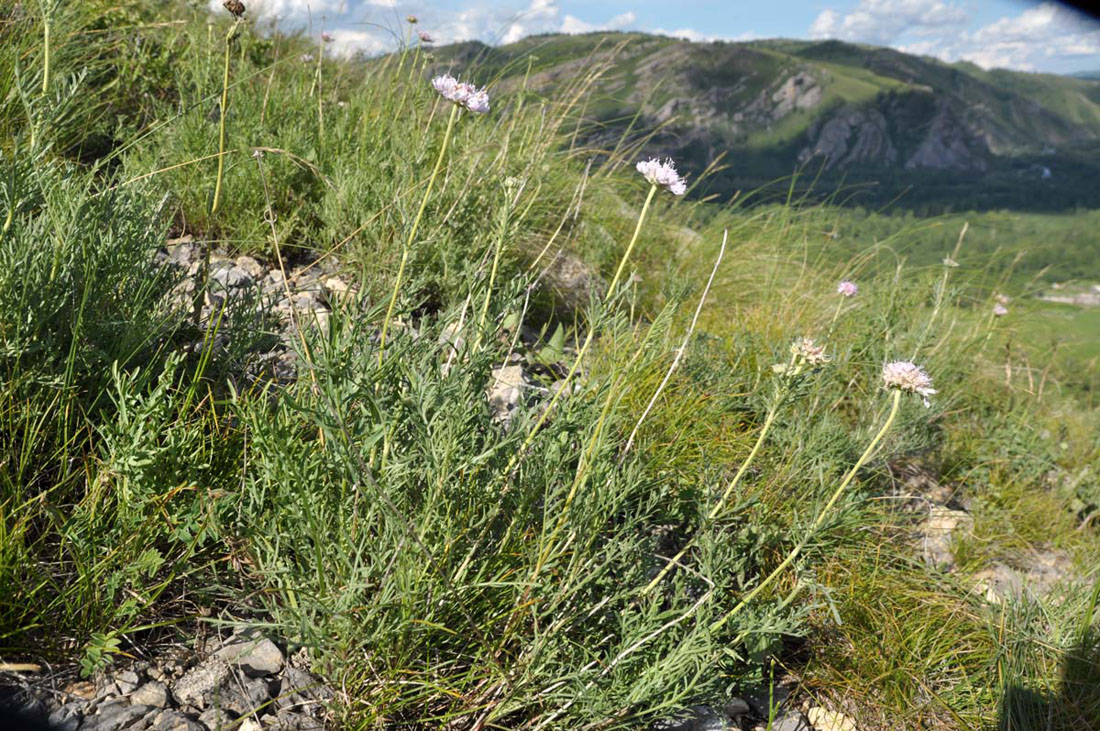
[945, 135]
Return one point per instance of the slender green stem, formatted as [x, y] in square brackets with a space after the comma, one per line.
[587, 340]
[45, 55]
[499, 246]
[633, 240]
[412, 231]
[836, 315]
[820, 518]
[221, 122]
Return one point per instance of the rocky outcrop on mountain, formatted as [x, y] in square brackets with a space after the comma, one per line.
[947, 145]
[853, 136]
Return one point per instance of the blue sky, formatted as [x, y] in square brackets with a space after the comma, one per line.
[1019, 34]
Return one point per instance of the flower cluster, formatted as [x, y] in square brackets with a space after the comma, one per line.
[327, 37]
[847, 288]
[907, 377]
[809, 352]
[462, 93]
[663, 174]
[425, 37]
[999, 310]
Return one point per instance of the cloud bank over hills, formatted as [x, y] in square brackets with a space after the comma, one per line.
[1022, 36]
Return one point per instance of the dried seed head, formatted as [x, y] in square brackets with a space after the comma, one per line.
[235, 8]
[808, 351]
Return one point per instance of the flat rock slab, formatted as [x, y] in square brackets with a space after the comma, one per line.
[258, 657]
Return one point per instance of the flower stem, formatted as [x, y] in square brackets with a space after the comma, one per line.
[587, 340]
[821, 516]
[221, 121]
[412, 231]
[492, 278]
[45, 55]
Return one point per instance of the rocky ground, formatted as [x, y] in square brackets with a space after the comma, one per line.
[243, 681]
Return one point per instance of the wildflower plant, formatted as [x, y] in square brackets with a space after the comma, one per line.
[658, 175]
[806, 358]
[462, 95]
[899, 378]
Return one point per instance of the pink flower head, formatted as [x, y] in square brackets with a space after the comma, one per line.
[462, 93]
[451, 88]
[847, 288]
[999, 310]
[425, 37]
[478, 101]
[663, 174]
[327, 37]
[905, 376]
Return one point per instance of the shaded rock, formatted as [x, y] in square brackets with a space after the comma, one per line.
[697, 718]
[215, 719]
[301, 691]
[175, 721]
[242, 696]
[116, 715]
[231, 277]
[152, 693]
[793, 721]
[127, 681]
[66, 718]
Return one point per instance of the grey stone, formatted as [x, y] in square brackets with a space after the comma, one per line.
[232, 277]
[793, 721]
[67, 717]
[251, 267]
[697, 718]
[505, 391]
[938, 531]
[258, 657]
[243, 696]
[115, 716]
[175, 721]
[127, 681]
[301, 691]
[197, 685]
[288, 721]
[736, 708]
[152, 693]
[215, 719]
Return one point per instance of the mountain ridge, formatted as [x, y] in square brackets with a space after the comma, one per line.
[857, 113]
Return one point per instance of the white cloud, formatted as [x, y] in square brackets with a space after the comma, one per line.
[573, 24]
[690, 34]
[884, 21]
[1044, 32]
[290, 9]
